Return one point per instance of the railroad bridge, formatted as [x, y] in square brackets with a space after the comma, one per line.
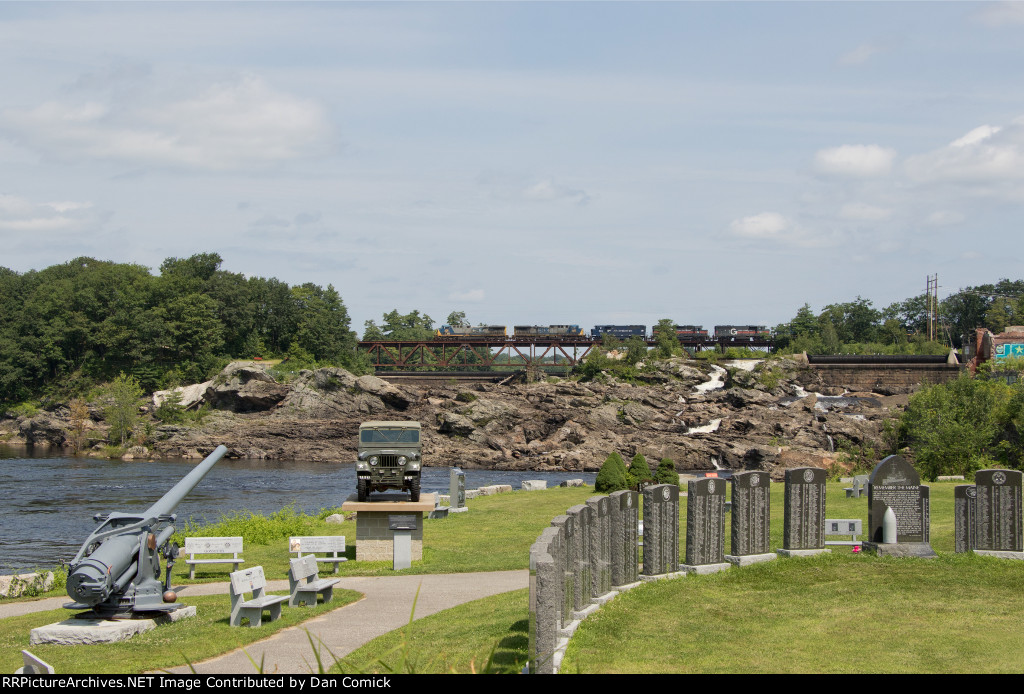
[535, 351]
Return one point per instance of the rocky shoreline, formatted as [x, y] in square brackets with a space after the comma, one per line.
[769, 417]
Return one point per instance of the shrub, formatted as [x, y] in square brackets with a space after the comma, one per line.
[612, 475]
[639, 471]
[666, 472]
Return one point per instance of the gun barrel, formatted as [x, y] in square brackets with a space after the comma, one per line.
[169, 501]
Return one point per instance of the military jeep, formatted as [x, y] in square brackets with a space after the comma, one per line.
[389, 458]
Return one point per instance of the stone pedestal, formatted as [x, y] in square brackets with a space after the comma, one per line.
[1000, 554]
[800, 552]
[701, 569]
[901, 549]
[85, 631]
[748, 559]
[375, 541]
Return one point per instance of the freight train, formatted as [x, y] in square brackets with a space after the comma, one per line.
[685, 333]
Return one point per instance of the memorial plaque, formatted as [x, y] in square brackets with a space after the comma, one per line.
[895, 484]
[998, 510]
[457, 488]
[600, 544]
[661, 529]
[964, 511]
[803, 524]
[751, 513]
[705, 521]
[625, 549]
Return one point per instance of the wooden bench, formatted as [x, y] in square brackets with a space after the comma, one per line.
[212, 545]
[305, 584]
[252, 581]
[324, 544]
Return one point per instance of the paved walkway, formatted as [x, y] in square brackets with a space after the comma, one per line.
[386, 607]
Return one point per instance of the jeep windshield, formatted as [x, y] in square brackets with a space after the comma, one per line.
[389, 436]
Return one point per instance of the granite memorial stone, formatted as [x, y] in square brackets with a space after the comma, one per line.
[998, 511]
[580, 552]
[566, 526]
[705, 525]
[803, 527]
[964, 512]
[751, 518]
[600, 545]
[625, 549]
[895, 484]
[661, 529]
[457, 490]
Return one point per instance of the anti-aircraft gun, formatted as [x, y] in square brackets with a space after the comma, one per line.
[116, 573]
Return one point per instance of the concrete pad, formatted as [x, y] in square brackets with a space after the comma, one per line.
[748, 559]
[801, 552]
[660, 577]
[1000, 554]
[704, 569]
[922, 550]
[83, 631]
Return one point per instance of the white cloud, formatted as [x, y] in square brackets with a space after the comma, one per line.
[986, 154]
[860, 211]
[548, 190]
[860, 161]
[1001, 13]
[20, 215]
[472, 296]
[944, 218]
[861, 54]
[767, 225]
[228, 125]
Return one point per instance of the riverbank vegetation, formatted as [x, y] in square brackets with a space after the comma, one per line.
[73, 326]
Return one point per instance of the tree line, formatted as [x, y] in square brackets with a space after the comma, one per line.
[68, 327]
[902, 327]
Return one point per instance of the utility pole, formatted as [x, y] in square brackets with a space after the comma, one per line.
[932, 291]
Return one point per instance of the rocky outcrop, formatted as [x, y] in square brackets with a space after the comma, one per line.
[759, 417]
[244, 389]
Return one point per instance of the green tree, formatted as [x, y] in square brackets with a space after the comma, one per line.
[952, 427]
[666, 472]
[666, 339]
[612, 475]
[639, 471]
[120, 400]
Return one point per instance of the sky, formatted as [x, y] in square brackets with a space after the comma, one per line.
[525, 162]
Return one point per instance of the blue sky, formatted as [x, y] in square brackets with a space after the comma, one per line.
[590, 163]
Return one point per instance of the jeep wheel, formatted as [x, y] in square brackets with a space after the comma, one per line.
[414, 489]
[362, 489]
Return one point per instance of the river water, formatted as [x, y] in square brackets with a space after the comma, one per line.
[48, 502]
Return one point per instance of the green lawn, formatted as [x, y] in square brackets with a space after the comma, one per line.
[841, 612]
[190, 640]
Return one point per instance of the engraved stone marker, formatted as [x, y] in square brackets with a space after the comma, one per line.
[600, 545]
[751, 518]
[457, 489]
[546, 585]
[580, 554]
[895, 484]
[998, 512]
[625, 550]
[661, 529]
[705, 525]
[566, 527]
[803, 528]
[964, 511]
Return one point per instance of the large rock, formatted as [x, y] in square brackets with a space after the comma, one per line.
[44, 429]
[242, 388]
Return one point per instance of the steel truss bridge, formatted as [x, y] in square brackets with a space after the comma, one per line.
[539, 351]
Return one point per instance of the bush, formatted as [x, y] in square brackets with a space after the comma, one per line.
[612, 475]
[952, 428]
[666, 472]
[639, 471]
